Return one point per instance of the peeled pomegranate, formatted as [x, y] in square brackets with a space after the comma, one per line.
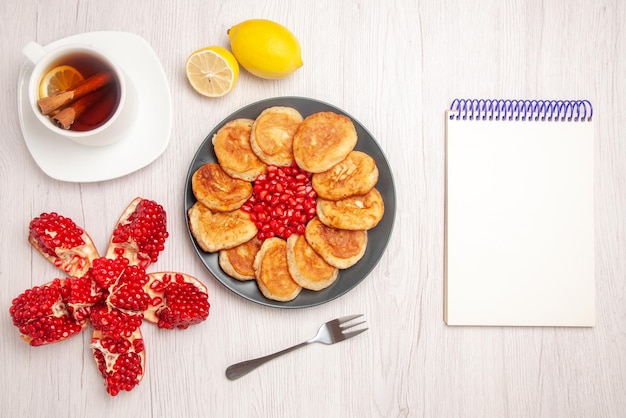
[113, 293]
[62, 242]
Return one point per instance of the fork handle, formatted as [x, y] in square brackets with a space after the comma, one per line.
[240, 369]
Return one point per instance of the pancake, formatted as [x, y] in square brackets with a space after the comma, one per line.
[308, 268]
[217, 190]
[272, 134]
[322, 140]
[232, 148]
[238, 262]
[338, 247]
[355, 175]
[353, 213]
[214, 231]
[272, 271]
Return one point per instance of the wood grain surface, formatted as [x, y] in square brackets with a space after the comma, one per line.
[395, 66]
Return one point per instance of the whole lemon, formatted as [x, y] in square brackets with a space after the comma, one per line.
[265, 48]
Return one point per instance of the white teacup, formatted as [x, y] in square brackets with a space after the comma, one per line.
[92, 61]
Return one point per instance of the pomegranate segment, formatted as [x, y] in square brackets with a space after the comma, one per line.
[177, 300]
[120, 360]
[62, 242]
[42, 315]
[282, 202]
[140, 233]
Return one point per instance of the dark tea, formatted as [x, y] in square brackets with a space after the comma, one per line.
[93, 102]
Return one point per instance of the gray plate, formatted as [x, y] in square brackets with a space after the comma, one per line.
[378, 237]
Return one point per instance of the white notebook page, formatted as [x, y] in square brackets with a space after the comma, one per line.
[519, 223]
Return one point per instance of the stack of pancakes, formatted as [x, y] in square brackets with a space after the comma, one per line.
[348, 204]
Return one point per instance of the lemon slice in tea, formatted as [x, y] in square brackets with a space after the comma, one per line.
[63, 77]
[212, 71]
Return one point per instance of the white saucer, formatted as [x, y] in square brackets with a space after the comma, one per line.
[144, 141]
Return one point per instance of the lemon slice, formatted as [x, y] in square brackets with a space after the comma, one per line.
[212, 71]
[63, 77]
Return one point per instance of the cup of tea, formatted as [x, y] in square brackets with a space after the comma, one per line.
[86, 109]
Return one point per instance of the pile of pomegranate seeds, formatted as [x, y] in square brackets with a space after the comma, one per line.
[282, 203]
[113, 293]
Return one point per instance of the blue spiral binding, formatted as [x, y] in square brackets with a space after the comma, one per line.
[524, 110]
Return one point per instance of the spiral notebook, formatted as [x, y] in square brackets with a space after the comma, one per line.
[519, 213]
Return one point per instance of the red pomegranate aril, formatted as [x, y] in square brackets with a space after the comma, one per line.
[157, 286]
[301, 191]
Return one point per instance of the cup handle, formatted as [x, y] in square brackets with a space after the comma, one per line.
[33, 51]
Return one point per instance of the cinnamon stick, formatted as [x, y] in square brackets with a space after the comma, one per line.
[68, 115]
[49, 104]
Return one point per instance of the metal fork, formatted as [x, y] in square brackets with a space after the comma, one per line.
[329, 333]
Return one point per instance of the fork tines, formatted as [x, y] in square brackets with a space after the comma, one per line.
[343, 322]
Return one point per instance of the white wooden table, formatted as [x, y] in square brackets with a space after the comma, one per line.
[395, 66]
